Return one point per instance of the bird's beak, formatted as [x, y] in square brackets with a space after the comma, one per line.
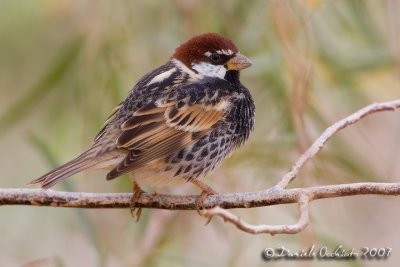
[238, 62]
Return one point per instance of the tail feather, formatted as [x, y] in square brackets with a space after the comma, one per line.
[64, 171]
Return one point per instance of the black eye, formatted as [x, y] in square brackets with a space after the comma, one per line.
[215, 57]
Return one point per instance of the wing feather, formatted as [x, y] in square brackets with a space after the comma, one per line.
[159, 130]
[137, 121]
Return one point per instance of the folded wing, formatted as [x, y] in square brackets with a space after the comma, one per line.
[158, 130]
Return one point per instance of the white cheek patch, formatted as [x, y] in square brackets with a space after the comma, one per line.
[208, 69]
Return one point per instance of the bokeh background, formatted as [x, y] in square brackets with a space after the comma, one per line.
[64, 65]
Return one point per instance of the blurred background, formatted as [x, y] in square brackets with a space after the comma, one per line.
[66, 64]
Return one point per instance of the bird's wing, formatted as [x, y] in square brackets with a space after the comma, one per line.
[165, 127]
[110, 118]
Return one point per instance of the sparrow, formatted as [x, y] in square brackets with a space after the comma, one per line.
[177, 123]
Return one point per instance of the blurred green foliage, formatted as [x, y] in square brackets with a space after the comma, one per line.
[66, 64]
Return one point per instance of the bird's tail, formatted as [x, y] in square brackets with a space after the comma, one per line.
[82, 162]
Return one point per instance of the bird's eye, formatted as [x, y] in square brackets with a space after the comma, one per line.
[215, 57]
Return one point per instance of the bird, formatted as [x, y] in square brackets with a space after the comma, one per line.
[177, 123]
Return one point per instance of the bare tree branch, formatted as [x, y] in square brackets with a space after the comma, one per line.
[272, 196]
[217, 204]
[330, 131]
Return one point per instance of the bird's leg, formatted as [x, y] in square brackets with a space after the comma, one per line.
[137, 192]
[206, 191]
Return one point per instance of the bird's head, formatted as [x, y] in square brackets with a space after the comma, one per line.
[211, 54]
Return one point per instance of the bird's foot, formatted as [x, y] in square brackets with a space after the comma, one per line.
[206, 191]
[137, 192]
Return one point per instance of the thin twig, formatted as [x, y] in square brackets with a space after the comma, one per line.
[329, 132]
[299, 226]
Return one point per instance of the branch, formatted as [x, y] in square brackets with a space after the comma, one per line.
[263, 228]
[217, 204]
[330, 131]
[269, 197]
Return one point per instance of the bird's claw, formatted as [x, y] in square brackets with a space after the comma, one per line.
[137, 192]
[200, 199]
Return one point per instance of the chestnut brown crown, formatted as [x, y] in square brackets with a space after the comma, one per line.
[196, 48]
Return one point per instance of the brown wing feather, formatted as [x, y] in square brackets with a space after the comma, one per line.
[137, 121]
[194, 119]
[155, 132]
